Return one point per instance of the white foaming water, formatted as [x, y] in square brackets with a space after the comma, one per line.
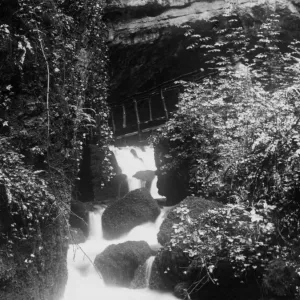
[149, 264]
[134, 159]
[85, 283]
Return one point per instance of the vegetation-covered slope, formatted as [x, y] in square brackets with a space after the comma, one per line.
[236, 138]
[53, 90]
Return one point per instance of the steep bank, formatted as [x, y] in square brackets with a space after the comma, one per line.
[52, 100]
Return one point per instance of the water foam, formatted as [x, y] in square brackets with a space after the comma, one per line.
[134, 159]
[85, 282]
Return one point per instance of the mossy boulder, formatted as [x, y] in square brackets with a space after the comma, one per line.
[195, 205]
[174, 267]
[118, 263]
[136, 208]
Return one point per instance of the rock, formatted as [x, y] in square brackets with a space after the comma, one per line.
[173, 184]
[118, 263]
[195, 205]
[157, 279]
[76, 236]
[166, 16]
[161, 201]
[147, 175]
[142, 274]
[174, 267]
[135, 208]
[149, 36]
[173, 187]
[139, 279]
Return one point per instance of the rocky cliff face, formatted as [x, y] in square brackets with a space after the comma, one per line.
[147, 43]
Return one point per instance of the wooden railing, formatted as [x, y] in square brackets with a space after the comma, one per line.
[146, 111]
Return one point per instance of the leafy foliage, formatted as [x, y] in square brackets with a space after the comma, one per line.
[238, 135]
[54, 87]
[53, 90]
[245, 237]
[25, 199]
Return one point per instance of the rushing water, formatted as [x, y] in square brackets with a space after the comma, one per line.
[149, 264]
[85, 283]
[134, 159]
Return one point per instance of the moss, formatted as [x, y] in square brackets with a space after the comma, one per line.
[118, 263]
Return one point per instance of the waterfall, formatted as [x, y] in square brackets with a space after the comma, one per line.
[95, 224]
[84, 282]
[149, 264]
[134, 159]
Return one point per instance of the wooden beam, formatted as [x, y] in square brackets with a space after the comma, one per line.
[164, 104]
[124, 116]
[137, 115]
[150, 110]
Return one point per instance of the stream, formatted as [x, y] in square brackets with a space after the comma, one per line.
[84, 281]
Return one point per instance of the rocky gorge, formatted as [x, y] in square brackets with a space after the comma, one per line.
[73, 222]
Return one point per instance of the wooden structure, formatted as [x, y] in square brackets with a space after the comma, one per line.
[144, 112]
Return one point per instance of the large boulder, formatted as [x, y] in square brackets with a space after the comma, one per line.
[118, 263]
[135, 208]
[175, 267]
[195, 205]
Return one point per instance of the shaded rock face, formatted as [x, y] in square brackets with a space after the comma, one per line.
[46, 276]
[173, 184]
[147, 43]
[118, 263]
[135, 208]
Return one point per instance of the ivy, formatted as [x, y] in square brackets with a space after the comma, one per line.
[55, 66]
[243, 236]
[25, 199]
[237, 134]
